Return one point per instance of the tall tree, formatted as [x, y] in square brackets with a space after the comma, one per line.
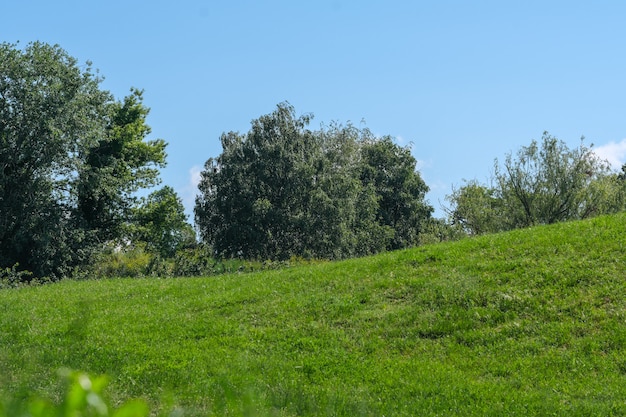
[252, 195]
[117, 165]
[283, 190]
[342, 210]
[53, 115]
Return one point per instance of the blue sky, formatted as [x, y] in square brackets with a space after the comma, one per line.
[463, 82]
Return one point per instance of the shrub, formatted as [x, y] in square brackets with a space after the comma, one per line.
[122, 262]
[12, 277]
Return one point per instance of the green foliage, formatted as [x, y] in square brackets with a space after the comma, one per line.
[477, 209]
[13, 277]
[607, 194]
[119, 261]
[135, 261]
[117, 165]
[548, 184]
[528, 322]
[161, 223]
[84, 396]
[438, 231]
[401, 191]
[70, 158]
[47, 106]
[282, 190]
[543, 184]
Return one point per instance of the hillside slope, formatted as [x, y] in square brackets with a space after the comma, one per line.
[531, 322]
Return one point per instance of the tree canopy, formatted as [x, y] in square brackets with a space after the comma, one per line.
[71, 157]
[283, 190]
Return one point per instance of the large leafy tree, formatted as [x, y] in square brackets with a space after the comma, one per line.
[252, 195]
[115, 166]
[341, 210]
[283, 190]
[70, 156]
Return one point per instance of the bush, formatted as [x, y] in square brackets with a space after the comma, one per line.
[122, 262]
[12, 277]
[135, 261]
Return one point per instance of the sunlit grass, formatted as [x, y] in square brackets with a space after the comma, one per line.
[531, 322]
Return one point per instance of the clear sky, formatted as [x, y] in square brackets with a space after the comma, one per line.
[463, 82]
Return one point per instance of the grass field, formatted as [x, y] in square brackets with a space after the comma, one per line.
[531, 322]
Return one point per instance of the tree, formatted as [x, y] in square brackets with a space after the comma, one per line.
[549, 183]
[252, 195]
[342, 210]
[391, 169]
[476, 209]
[116, 166]
[544, 183]
[607, 194]
[161, 223]
[283, 190]
[70, 157]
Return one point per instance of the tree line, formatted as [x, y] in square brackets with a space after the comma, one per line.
[73, 159]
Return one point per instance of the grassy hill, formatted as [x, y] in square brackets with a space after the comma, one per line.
[531, 322]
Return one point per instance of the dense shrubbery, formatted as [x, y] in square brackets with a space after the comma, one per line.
[543, 183]
[197, 261]
[13, 276]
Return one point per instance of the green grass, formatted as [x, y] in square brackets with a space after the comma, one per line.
[531, 322]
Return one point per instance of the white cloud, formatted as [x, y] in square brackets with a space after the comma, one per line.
[614, 152]
[422, 164]
[194, 176]
[190, 191]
